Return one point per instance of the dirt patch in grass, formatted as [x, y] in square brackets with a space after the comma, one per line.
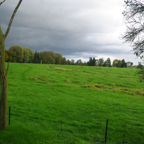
[68, 81]
[93, 86]
[59, 68]
[42, 78]
[32, 78]
[65, 69]
[114, 87]
[117, 85]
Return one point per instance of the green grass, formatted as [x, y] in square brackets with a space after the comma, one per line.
[44, 98]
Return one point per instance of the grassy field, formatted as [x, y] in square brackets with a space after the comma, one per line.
[52, 104]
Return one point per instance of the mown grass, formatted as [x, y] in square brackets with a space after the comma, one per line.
[77, 99]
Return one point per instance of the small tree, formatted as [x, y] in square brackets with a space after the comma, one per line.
[115, 63]
[134, 16]
[101, 62]
[3, 74]
[124, 64]
[107, 63]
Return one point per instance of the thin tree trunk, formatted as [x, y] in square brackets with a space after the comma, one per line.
[4, 84]
[3, 74]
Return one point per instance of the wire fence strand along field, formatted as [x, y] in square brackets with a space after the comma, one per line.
[63, 128]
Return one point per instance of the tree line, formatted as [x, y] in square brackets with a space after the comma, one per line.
[26, 55]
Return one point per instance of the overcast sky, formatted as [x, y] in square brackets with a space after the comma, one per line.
[78, 29]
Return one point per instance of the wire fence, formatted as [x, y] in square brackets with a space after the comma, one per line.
[121, 134]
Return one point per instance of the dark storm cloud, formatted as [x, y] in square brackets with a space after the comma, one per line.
[75, 28]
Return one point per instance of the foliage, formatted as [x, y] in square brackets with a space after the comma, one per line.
[129, 64]
[64, 62]
[68, 62]
[72, 62]
[121, 63]
[25, 55]
[10, 56]
[91, 62]
[58, 58]
[101, 62]
[134, 17]
[115, 63]
[124, 64]
[107, 63]
[47, 57]
[30, 55]
[36, 57]
[19, 52]
[140, 72]
[79, 62]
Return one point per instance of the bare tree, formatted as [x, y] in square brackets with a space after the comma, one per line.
[134, 19]
[3, 74]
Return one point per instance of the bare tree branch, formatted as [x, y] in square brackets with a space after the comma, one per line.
[12, 17]
[2, 2]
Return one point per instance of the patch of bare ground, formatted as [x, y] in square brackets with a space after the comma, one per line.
[68, 81]
[116, 88]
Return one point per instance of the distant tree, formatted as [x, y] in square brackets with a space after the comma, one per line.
[10, 56]
[91, 62]
[19, 52]
[68, 62]
[101, 62]
[58, 58]
[72, 61]
[107, 63]
[79, 62]
[36, 57]
[140, 72]
[124, 64]
[31, 55]
[96, 63]
[139, 66]
[88, 63]
[47, 59]
[64, 62]
[115, 63]
[52, 54]
[119, 63]
[84, 64]
[25, 55]
[129, 64]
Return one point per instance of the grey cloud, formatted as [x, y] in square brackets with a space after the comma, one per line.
[75, 28]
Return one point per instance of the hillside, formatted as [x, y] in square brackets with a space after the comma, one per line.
[65, 104]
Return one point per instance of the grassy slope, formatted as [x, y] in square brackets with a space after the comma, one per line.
[81, 98]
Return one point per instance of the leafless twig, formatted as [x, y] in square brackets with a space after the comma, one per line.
[2, 2]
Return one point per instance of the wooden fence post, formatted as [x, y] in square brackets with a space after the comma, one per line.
[124, 133]
[61, 126]
[106, 130]
[9, 113]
